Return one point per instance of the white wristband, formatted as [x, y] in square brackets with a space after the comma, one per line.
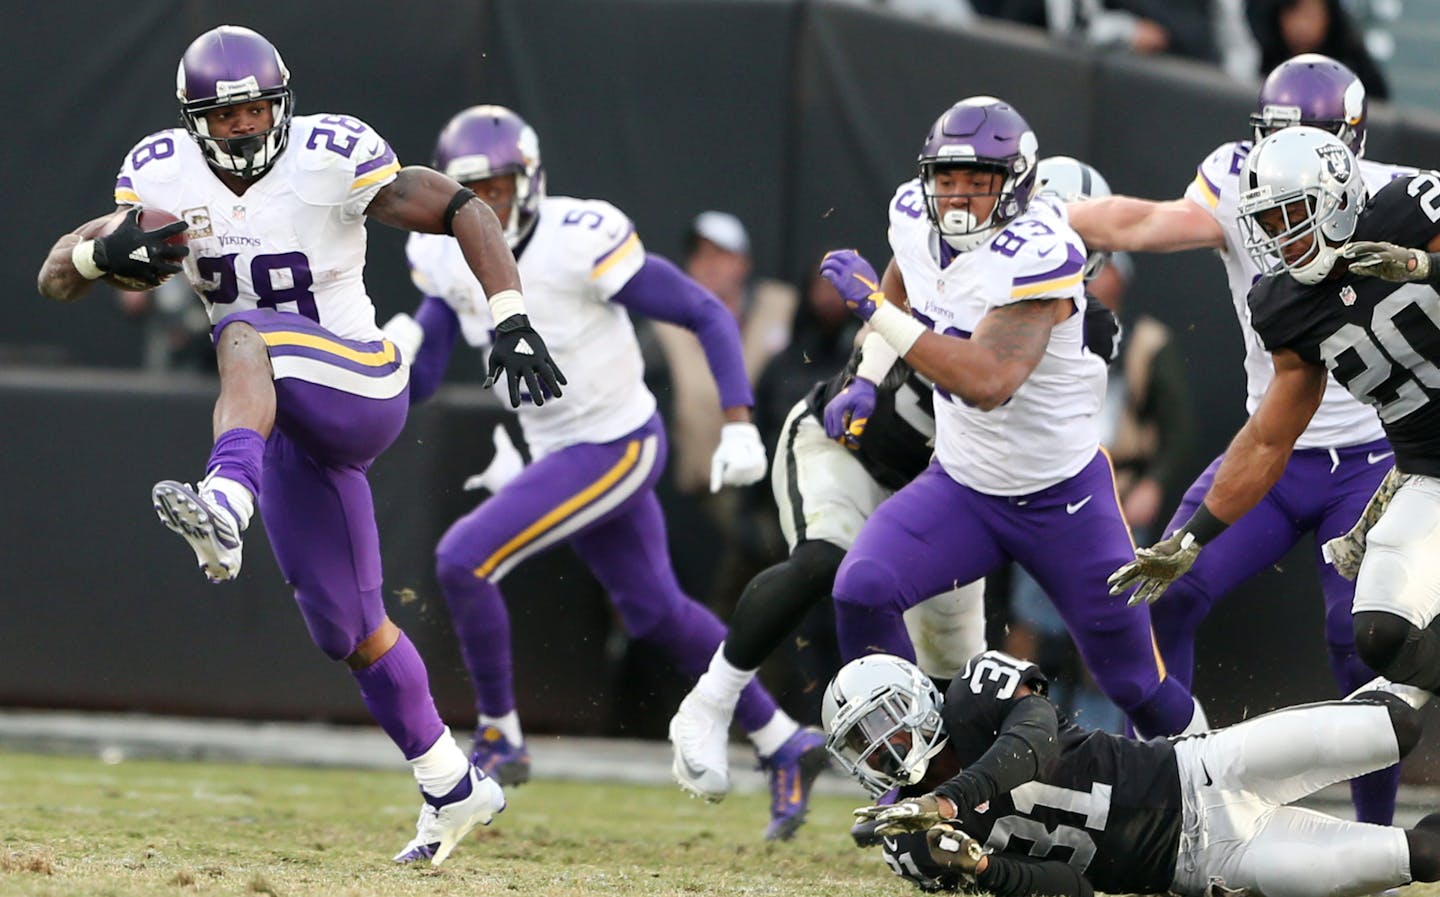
[877, 357]
[898, 328]
[506, 304]
[83, 258]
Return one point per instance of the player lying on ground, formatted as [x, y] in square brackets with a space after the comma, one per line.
[998, 789]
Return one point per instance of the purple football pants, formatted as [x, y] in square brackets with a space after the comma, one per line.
[935, 532]
[318, 512]
[600, 499]
[1320, 492]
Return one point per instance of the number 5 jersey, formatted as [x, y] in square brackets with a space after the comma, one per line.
[294, 241]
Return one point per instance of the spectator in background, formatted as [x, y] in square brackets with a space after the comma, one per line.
[1144, 27]
[717, 256]
[1286, 28]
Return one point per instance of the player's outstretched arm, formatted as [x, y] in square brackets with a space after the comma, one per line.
[424, 200]
[1128, 224]
[1253, 464]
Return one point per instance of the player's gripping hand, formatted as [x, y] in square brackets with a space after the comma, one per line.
[855, 280]
[953, 849]
[1397, 264]
[739, 459]
[133, 253]
[1156, 567]
[847, 414]
[1345, 553]
[915, 814]
[521, 354]
[504, 467]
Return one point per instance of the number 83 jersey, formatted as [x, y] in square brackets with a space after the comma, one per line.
[1380, 340]
[294, 241]
[1108, 806]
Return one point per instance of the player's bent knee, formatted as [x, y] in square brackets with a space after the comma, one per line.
[1380, 639]
[867, 583]
[816, 561]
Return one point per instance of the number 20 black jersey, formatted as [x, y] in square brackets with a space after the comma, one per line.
[1381, 340]
[1108, 806]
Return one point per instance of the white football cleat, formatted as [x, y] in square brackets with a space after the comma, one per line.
[700, 735]
[444, 821]
[206, 521]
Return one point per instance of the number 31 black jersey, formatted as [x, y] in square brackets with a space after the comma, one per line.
[1108, 806]
[1380, 340]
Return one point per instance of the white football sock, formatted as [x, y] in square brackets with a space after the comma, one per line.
[509, 726]
[240, 499]
[770, 737]
[722, 682]
[441, 767]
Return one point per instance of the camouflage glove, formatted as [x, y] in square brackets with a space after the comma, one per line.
[1397, 264]
[1156, 567]
[1345, 553]
[913, 815]
[952, 848]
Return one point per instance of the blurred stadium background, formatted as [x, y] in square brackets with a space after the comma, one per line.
[800, 117]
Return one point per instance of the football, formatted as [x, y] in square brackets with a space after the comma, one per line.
[150, 219]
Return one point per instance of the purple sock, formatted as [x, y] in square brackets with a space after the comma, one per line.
[396, 689]
[482, 624]
[688, 638]
[238, 455]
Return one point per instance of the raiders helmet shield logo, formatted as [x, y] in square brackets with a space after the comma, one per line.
[1337, 160]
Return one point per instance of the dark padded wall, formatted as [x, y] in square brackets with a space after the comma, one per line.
[801, 117]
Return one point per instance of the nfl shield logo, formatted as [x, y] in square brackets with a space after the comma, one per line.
[1347, 294]
[238, 213]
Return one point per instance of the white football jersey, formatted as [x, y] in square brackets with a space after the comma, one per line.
[580, 253]
[1341, 419]
[295, 240]
[1050, 428]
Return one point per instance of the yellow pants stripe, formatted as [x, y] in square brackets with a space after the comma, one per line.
[562, 511]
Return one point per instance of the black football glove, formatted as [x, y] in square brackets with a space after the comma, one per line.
[139, 255]
[1102, 331]
[520, 353]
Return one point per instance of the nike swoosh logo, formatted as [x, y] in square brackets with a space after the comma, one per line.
[1377, 457]
[1208, 780]
[1045, 252]
[1071, 509]
[891, 843]
[694, 772]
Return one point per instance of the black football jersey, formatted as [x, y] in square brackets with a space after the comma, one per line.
[899, 439]
[1380, 340]
[1108, 806]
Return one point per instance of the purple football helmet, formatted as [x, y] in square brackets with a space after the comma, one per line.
[1315, 90]
[225, 66]
[488, 141]
[979, 132]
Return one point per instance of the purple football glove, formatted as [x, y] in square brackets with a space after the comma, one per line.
[853, 277]
[847, 414]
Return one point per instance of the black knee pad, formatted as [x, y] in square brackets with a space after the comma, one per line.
[1380, 638]
[1404, 719]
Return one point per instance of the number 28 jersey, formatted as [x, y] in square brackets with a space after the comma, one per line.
[295, 240]
[1108, 806]
[1380, 340]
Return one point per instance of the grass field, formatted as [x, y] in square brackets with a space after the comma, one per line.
[75, 826]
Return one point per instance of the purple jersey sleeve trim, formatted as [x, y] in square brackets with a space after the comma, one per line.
[1072, 265]
[662, 291]
[442, 328]
[383, 159]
